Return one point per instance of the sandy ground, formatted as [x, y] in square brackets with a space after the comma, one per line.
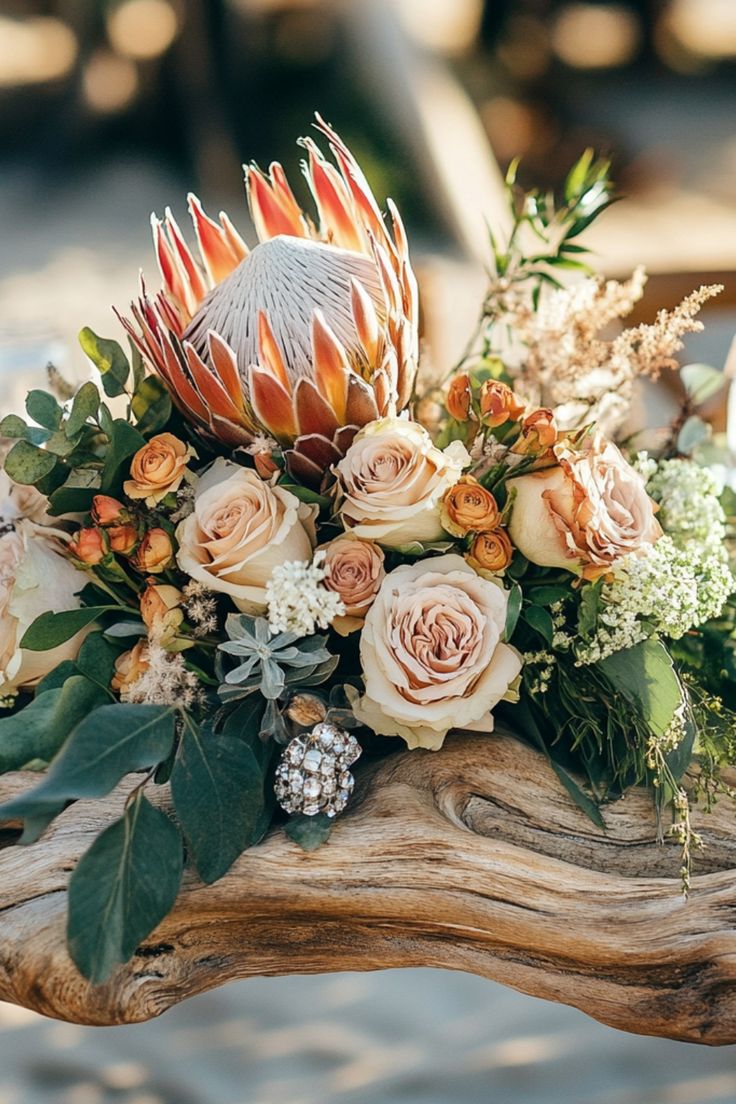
[417, 1036]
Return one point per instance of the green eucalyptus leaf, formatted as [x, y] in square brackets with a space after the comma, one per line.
[40, 729]
[14, 427]
[701, 382]
[218, 789]
[72, 500]
[124, 442]
[122, 888]
[28, 464]
[85, 406]
[151, 405]
[693, 433]
[109, 359]
[310, 832]
[43, 408]
[546, 595]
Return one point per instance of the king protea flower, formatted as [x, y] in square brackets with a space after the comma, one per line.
[307, 337]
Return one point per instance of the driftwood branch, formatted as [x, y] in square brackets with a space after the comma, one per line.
[472, 858]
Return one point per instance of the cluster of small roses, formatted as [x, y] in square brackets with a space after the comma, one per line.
[157, 472]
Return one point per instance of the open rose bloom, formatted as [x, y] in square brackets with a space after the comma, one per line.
[432, 653]
[294, 547]
[586, 513]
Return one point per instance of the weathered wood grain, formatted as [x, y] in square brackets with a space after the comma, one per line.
[472, 858]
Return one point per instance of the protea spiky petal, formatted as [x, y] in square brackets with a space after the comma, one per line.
[309, 336]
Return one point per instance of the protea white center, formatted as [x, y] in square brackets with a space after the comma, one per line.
[287, 279]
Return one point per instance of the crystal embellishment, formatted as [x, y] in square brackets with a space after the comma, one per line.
[313, 776]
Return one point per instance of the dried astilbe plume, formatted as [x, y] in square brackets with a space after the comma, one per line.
[566, 364]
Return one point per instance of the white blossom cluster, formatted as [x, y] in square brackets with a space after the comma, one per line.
[545, 662]
[688, 497]
[298, 601]
[676, 584]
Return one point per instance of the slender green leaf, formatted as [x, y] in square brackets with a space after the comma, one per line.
[113, 741]
[579, 796]
[218, 791]
[541, 621]
[513, 609]
[122, 888]
[52, 629]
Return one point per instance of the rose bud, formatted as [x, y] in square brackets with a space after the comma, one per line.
[306, 710]
[108, 511]
[157, 469]
[129, 667]
[88, 546]
[499, 404]
[538, 433]
[459, 398]
[160, 610]
[155, 552]
[122, 538]
[469, 508]
[491, 552]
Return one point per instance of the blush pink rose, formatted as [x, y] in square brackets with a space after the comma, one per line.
[432, 653]
[585, 513]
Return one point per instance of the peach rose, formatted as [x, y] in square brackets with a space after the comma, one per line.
[391, 481]
[354, 570]
[155, 552]
[538, 433]
[584, 514]
[240, 529]
[432, 653]
[109, 511]
[459, 397]
[469, 507]
[499, 404]
[158, 468]
[88, 546]
[122, 538]
[161, 610]
[129, 667]
[490, 552]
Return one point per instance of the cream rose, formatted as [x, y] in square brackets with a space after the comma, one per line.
[432, 654]
[584, 514]
[391, 481]
[354, 570]
[241, 528]
[34, 578]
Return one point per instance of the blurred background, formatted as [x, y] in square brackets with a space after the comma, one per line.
[112, 109]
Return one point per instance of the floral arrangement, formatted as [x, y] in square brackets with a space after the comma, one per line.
[258, 547]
